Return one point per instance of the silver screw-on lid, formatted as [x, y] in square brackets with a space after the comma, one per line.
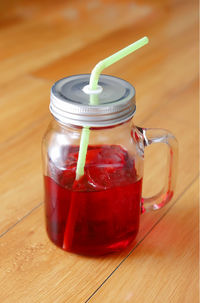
[71, 105]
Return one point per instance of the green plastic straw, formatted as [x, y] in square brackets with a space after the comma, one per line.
[82, 152]
[94, 78]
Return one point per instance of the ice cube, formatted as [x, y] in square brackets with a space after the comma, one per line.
[105, 166]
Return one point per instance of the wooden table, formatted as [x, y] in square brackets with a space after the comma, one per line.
[42, 41]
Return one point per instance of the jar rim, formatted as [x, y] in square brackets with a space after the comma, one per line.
[69, 104]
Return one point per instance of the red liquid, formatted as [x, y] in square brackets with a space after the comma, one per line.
[100, 212]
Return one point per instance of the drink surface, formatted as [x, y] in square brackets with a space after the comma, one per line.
[100, 212]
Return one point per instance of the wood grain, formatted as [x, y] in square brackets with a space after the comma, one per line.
[53, 36]
[157, 271]
[42, 41]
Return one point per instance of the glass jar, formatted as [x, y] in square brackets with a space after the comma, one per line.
[100, 212]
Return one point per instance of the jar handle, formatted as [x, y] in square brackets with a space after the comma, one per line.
[152, 136]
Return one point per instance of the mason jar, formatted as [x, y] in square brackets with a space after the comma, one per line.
[99, 212]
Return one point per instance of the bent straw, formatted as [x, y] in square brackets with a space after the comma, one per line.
[94, 78]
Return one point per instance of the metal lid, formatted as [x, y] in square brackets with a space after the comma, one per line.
[71, 105]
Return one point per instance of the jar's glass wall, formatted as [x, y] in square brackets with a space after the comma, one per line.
[59, 137]
[100, 212]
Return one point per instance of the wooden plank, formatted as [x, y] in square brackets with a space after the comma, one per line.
[38, 42]
[165, 42]
[24, 103]
[22, 184]
[164, 268]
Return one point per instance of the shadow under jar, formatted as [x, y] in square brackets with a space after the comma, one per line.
[100, 212]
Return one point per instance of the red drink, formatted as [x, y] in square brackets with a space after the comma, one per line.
[100, 212]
